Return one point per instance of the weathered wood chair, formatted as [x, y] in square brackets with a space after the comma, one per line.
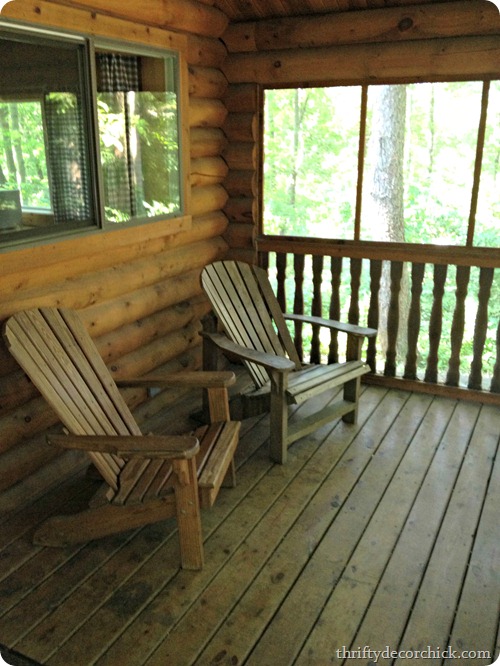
[147, 478]
[256, 332]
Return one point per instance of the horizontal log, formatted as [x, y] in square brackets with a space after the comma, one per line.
[89, 22]
[41, 480]
[241, 183]
[184, 15]
[158, 413]
[148, 357]
[208, 199]
[240, 209]
[135, 304]
[206, 82]
[141, 332]
[388, 24]
[240, 155]
[7, 362]
[241, 127]
[247, 255]
[35, 416]
[208, 226]
[25, 459]
[242, 98]
[87, 290]
[429, 60]
[205, 51]
[87, 257]
[240, 235]
[204, 112]
[15, 389]
[22, 423]
[208, 171]
[207, 142]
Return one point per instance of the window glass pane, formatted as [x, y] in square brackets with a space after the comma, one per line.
[419, 165]
[44, 158]
[487, 228]
[311, 141]
[138, 136]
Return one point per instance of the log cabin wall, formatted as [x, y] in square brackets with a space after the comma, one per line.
[137, 289]
[432, 42]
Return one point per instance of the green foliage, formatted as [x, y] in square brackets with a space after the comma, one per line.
[23, 162]
[310, 178]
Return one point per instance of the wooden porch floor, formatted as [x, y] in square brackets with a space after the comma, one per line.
[384, 534]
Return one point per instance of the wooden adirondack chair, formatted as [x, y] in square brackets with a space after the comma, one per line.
[256, 332]
[147, 478]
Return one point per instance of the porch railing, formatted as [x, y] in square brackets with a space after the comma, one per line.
[436, 308]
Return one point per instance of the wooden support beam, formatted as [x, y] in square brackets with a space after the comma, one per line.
[185, 15]
[88, 21]
[429, 59]
[389, 24]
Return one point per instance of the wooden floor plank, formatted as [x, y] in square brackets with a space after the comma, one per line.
[476, 618]
[56, 611]
[386, 617]
[267, 591]
[328, 564]
[266, 512]
[433, 612]
[104, 628]
[131, 645]
[384, 533]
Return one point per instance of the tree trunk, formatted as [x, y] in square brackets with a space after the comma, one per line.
[387, 190]
[7, 143]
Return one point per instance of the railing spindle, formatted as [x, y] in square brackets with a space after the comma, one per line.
[334, 313]
[281, 279]
[373, 312]
[436, 323]
[298, 301]
[448, 336]
[414, 321]
[458, 325]
[353, 315]
[316, 306]
[480, 328]
[393, 318]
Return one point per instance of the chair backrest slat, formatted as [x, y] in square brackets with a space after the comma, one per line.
[245, 314]
[58, 354]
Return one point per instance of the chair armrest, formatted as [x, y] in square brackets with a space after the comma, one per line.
[131, 446]
[269, 361]
[193, 379]
[351, 329]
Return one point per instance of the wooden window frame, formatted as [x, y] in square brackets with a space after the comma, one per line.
[96, 32]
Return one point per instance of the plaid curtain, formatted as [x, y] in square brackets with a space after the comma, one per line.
[118, 75]
[67, 157]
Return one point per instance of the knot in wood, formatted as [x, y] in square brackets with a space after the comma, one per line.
[277, 64]
[405, 24]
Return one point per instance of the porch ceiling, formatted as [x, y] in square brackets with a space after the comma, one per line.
[250, 10]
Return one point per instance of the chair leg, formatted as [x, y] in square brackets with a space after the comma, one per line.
[278, 446]
[352, 390]
[188, 514]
